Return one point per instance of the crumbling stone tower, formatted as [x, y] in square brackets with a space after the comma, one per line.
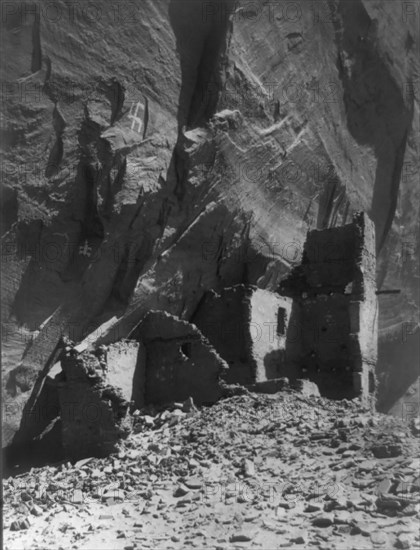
[332, 334]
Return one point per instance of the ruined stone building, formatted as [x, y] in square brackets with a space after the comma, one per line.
[83, 402]
[321, 325]
[332, 334]
[247, 327]
[179, 362]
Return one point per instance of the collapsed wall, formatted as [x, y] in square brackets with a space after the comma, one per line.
[93, 412]
[179, 362]
[169, 360]
[247, 327]
[87, 394]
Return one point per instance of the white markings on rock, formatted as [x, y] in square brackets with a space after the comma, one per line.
[135, 117]
[85, 249]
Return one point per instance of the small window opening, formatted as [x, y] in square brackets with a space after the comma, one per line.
[281, 321]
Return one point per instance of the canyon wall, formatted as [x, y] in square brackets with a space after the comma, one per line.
[154, 151]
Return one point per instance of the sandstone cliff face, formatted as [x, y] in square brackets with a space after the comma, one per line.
[156, 150]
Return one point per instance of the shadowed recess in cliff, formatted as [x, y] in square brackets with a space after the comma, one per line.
[402, 349]
[92, 176]
[114, 91]
[131, 266]
[27, 306]
[334, 205]
[92, 224]
[377, 114]
[57, 151]
[202, 31]
[9, 207]
[36, 62]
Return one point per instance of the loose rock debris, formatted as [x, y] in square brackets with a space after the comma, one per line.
[253, 471]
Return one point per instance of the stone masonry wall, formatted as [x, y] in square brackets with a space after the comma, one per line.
[223, 318]
[335, 290]
[179, 361]
[242, 323]
[94, 413]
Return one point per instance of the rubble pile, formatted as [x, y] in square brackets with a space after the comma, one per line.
[286, 470]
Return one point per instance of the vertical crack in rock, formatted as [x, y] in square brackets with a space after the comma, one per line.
[92, 175]
[56, 154]
[377, 114]
[116, 93]
[36, 61]
[134, 258]
[202, 42]
[332, 200]
[9, 208]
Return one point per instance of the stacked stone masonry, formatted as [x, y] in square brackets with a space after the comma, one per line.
[321, 325]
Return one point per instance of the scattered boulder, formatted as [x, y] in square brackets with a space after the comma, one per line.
[386, 450]
[306, 388]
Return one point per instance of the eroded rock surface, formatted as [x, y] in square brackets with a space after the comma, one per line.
[158, 151]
